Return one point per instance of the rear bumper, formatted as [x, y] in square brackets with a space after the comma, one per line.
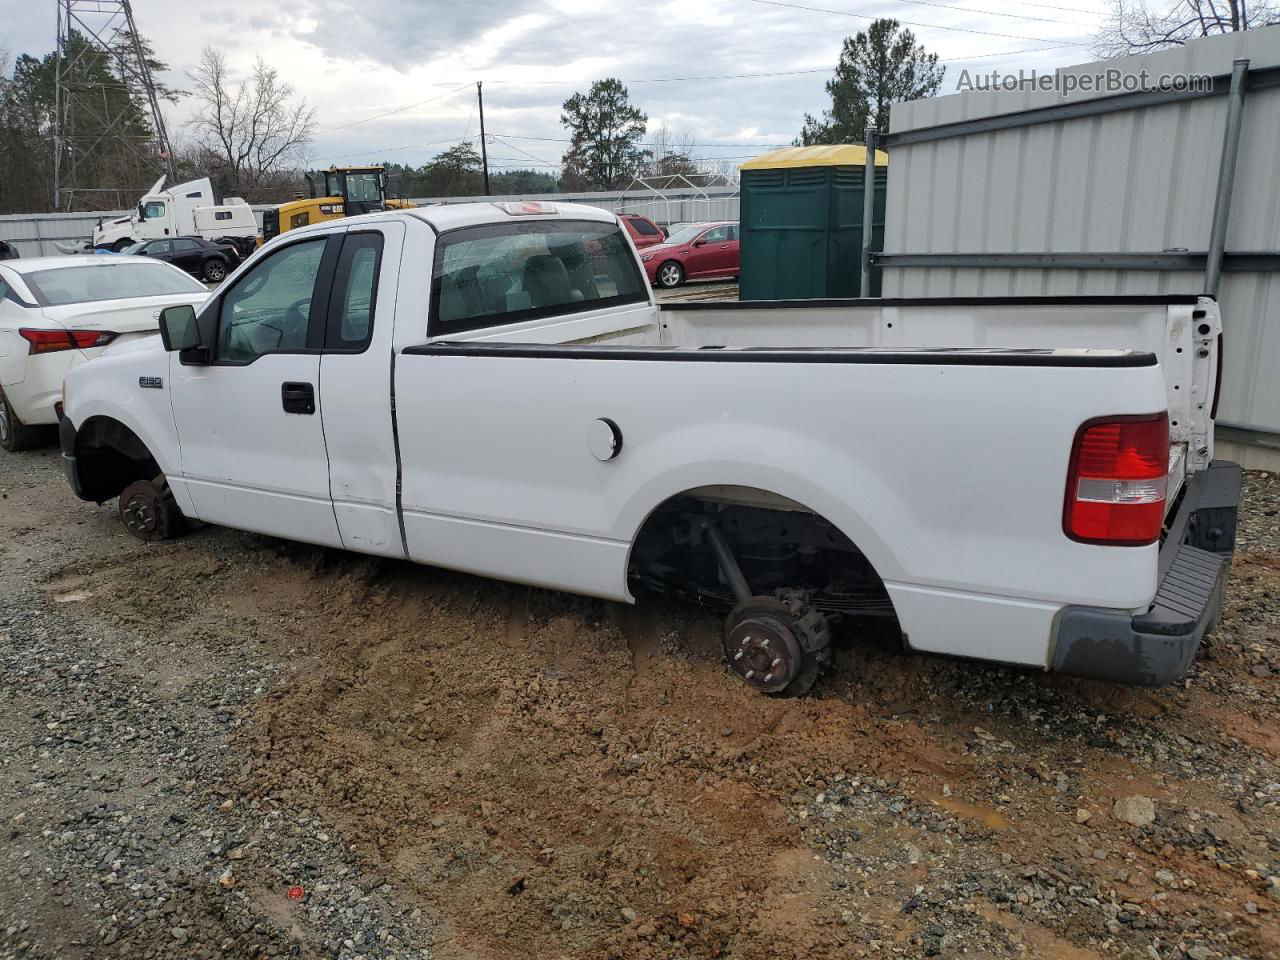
[34, 396]
[1156, 647]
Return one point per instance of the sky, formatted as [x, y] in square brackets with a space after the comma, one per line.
[395, 79]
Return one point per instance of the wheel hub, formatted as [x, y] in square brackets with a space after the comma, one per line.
[139, 515]
[763, 651]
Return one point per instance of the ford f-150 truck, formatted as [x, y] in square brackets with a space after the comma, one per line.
[492, 388]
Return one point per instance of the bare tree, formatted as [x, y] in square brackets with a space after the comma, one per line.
[671, 153]
[1136, 26]
[257, 130]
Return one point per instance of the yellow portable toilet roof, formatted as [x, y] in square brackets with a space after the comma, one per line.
[833, 155]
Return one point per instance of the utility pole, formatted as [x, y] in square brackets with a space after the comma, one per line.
[484, 151]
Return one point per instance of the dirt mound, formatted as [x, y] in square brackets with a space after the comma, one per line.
[554, 777]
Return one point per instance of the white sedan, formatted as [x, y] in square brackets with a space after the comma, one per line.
[57, 312]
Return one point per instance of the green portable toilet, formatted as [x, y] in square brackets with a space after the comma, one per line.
[800, 226]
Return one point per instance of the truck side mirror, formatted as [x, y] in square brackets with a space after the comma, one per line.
[178, 327]
[142, 212]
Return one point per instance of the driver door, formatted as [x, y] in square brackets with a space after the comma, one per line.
[711, 255]
[249, 422]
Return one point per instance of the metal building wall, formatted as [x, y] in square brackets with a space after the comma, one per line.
[1141, 180]
[33, 234]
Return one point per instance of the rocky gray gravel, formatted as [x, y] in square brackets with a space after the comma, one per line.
[123, 836]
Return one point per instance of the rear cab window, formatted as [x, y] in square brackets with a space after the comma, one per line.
[499, 274]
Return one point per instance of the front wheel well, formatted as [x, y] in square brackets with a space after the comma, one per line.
[109, 457]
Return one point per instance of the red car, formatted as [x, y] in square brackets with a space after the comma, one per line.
[644, 232]
[699, 252]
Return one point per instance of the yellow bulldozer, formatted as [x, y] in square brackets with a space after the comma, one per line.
[336, 192]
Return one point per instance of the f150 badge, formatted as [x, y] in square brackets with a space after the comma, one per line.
[151, 383]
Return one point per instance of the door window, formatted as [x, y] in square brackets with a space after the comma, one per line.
[643, 227]
[153, 209]
[269, 309]
[160, 246]
[716, 235]
[354, 290]
[185, 246]
[733, 233]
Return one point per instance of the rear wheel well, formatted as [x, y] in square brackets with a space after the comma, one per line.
[779, 544]
[109, 457]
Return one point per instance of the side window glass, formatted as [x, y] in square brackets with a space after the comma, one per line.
[269, 310]
[160, 246]
[184, 246]
[718, 235]
[354, 291]
[154, 209]
[507, 273]
[733, 233]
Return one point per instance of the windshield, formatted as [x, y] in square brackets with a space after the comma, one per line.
[121, 280]
[363, 187]
[687, 234]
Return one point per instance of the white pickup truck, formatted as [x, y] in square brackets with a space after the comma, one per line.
[492, 388]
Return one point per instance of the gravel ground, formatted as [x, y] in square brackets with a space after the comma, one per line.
[228, 746]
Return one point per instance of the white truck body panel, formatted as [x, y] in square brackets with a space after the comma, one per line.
[565, 520]
[471, 451]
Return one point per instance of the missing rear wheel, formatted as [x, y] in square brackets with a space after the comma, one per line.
[776, 646]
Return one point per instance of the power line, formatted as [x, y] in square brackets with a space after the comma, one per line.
[775, 73]
[992, 13]
[515, 148]
[642, 143]
[727, 76]
[925, 26]
[381, 150]
[379, 116]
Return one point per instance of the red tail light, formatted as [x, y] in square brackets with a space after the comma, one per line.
[1118, 481]
[51, 341]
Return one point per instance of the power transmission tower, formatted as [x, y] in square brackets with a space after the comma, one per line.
[92, 116]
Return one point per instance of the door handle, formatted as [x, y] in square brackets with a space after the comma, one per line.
[298, 398]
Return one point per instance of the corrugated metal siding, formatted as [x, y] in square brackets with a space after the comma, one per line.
[1133, 181]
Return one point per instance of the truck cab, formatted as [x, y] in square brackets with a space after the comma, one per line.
[185, 209]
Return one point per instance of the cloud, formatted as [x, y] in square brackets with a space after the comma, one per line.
[358, 59]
